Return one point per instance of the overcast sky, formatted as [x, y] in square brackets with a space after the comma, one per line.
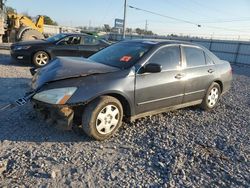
[216, 17]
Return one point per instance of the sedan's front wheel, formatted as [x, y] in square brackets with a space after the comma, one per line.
[212, 97]
[40, 59]
[102, 117]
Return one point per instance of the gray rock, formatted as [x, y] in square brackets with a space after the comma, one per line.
[3, 166]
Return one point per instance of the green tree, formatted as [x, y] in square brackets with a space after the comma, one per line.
[139, 31]
[143, 32]
[107, 28]
[49, 21]
[10, 10]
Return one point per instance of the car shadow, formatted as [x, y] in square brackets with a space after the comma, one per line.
[5, 59]
[24, 124]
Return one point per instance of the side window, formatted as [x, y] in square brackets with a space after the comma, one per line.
[76, 41]
[71, 40]
[168, 57]
[194, 56]
[89, 40]
[209, 60]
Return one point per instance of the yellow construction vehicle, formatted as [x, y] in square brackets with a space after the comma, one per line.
[21, 28]
[16, 27]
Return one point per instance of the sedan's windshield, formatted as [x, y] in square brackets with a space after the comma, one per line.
[56, 37]
[122, 55]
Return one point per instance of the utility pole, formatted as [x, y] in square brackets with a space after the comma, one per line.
[124, 20]
[146, 25]
[89, 24]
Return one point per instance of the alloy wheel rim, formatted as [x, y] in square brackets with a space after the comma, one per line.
[107, 119]
[213, 97]
[42, 59]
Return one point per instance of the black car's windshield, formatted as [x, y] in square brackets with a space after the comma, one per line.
[122, 55]
[56, 37]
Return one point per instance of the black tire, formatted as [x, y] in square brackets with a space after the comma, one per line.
[96, 111]
[212, 97]
[31, 34]
[40, 59]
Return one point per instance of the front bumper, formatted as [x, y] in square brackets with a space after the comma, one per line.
[60, 115]
[20, 56]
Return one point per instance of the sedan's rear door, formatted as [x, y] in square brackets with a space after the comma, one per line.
[89, 45]
[198, 71]
[166, 88]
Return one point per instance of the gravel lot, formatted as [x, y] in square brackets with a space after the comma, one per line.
[184, 148]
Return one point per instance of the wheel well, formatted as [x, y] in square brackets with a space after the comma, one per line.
[220, 83]
[78, 110]
[39, 51]
[124, 102]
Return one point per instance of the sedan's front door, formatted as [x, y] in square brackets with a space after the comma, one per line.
[67, 47]
[166, 88]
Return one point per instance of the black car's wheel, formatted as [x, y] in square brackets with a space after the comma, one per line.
[40, 59]
[102, 117]
[212, 97]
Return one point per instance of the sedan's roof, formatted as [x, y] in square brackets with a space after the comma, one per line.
[76, 34]
[161, 41]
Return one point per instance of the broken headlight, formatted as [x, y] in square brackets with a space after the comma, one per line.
[55, 96]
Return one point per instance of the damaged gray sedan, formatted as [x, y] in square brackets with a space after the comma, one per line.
[129, 80]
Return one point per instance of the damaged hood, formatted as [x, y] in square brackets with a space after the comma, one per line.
[68, 67]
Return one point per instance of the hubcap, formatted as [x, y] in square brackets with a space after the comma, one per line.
[42, 59]
[213, 97]
[107, 119]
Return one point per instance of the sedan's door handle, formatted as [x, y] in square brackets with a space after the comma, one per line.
[210, 71]
[179, 76]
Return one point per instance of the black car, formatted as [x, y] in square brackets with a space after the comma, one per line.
[40, 52]
[130, 79]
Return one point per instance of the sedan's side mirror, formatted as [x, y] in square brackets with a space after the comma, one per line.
[152, 68]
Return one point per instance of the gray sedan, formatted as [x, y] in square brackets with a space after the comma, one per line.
[129, 80]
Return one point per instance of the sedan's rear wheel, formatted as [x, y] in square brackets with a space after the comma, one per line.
[212, 97]
[40, 59]
[102, 117]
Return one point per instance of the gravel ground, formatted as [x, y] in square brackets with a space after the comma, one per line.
[184, 148]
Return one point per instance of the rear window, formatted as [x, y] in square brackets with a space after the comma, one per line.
[209, 61]
[194, 57]
[122, 55]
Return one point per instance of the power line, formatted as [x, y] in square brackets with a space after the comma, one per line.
[226, 29]
[228, 21]
[214, 9]
[201, 21]
[185, 8]
[185, 21]
[169, 17]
